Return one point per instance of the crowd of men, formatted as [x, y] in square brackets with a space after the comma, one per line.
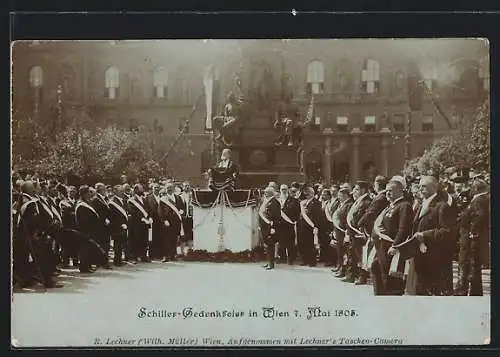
[57, 226]
[399, 234]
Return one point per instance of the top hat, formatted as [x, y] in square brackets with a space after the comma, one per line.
[408, 248]
[462, 175]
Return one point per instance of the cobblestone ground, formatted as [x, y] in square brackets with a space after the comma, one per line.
[91, 305]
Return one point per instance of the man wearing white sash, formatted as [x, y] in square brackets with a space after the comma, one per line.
[339, 220]
[391, 228]
[119, 223]
[357, 238]
[287, 229]
[187, 216]
[310, 221]
[170, 213]
[140, 225]
[325, 229]
[100, 204]
[269, 220]
[152, 204]
[88, 221]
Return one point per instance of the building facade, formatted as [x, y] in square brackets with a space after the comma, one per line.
[361, 109]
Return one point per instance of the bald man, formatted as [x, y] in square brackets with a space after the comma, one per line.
[432, 228]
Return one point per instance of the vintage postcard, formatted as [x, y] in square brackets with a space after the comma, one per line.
[250, 193]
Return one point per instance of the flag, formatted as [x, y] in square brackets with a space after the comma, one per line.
[310, 111]
[211, 84]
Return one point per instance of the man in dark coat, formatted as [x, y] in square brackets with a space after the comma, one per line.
[310, 222]
[475, 227]
[140, 225]
[170, 212]
[89, 225]
[187, 217]
[152, 203]
[100, 204]
[119, 223]
[325, 228]
[339, 219]
[376, 206]
[431, 227]
[356, 235]
[269, 220]
[391, 228]
[287, 228]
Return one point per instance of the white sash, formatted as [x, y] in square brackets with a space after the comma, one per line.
[306, 217]
[47, 209]
[262, 215]
[394, 265]
[56, 213]
[336, 220]
[23, 209]
[350, 215]
[139, 207]
[119, 208]
[172, 206]
[286, 218]
[327, 211]
[378, 225]
[85, 204]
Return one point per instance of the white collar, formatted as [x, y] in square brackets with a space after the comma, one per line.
[361, 197]
[428, 200]
[479, 194]
[396, 201]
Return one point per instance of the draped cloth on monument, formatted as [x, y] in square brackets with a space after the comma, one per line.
[225, 220]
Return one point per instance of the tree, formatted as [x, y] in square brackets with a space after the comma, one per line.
[468, 147]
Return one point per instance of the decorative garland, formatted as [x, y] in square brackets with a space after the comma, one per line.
[248, 256]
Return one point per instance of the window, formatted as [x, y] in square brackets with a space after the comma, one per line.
[315, 77]
[484, 74]
[112, 82]
[160, 82]
[370, 76]
[429, 75]
[428, 123]
[342, 124]
[36, 77]
[398, 123]
[370, 123]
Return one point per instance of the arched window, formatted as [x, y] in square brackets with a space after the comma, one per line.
[315, 77]
[160, 82]
[429, 75]
[484, 74]
[370, 76]
[36, 77]
[112, 82]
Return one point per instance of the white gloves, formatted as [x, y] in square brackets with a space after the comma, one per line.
[124, 226]
[167, 223]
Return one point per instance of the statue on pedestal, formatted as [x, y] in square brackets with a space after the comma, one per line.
[226, 125]
[286, 123]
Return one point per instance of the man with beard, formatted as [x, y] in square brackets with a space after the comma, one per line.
[431, 227]
[357, 237]
[287, 228]
[339, 220]
[119, 223]
[475, 228]
[140, 225]
[310, 221]
[269, 220]
[391, 228]
[170, 212]
[88, 223]
[100, 204]
[152, 206]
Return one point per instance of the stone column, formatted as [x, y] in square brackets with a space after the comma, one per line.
[385, 137]
[327, 160]
[355, 161]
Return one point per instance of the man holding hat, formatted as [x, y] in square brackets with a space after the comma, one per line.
[357, 237]
[391, 228]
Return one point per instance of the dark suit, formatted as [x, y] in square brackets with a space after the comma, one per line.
[397, 225]
[340, 227]
[271, 210]
[187, 217]
[138, 228]
[325, 230]
[376, 206]
[450, 245]
[101, 206]
[354, 259]
[435, 223]
[475, 220]
[312, 209]
[118, 227]
[287, 231]
[153, 208]
[171, 232]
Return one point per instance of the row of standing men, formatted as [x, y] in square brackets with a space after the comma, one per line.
[55, 224]
[402, 236]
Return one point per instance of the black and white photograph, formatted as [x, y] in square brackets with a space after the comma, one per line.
[250, 193]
